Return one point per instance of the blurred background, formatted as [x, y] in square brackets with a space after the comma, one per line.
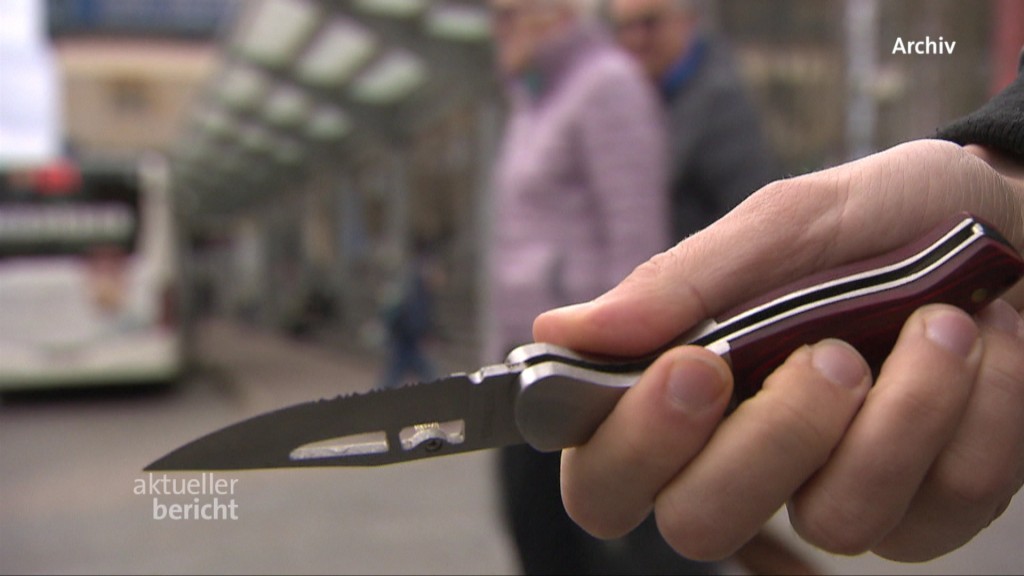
[214, 202]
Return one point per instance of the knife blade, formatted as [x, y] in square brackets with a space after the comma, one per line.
[553, 398]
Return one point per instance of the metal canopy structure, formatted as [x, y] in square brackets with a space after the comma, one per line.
[308, 83]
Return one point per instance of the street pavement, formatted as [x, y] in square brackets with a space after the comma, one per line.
[69, 469]
[74, 499]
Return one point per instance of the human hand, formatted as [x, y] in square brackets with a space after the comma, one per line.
[895, 468]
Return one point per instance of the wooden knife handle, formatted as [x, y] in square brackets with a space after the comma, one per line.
[964, 262]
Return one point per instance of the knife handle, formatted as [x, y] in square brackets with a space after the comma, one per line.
[964, 262]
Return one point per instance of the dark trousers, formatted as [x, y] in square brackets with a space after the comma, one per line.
[549, 542]
[406, 358]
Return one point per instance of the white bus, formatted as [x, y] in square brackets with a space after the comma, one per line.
[89, 276]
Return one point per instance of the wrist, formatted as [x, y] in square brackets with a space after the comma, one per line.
[1012, 171]
[1010, 168]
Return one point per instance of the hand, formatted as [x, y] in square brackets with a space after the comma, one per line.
[895, 467]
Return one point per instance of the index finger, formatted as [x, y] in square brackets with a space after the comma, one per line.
[785, 231]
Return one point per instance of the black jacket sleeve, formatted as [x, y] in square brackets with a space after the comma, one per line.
[999, 124]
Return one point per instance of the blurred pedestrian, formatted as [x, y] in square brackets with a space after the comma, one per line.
[579, 201]
[408, 317]
[717, 153]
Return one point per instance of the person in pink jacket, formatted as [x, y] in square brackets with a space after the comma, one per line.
[579, 200]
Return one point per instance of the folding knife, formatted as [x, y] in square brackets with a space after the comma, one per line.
[553, 398]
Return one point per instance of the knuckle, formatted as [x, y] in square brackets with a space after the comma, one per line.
[596, 526]
[695, 535]
[920, 407]
[1003, 371]
[773, 195]
[667, 269]
[979, 487]
[584, 513]
[585, 499]
[656, 268]
[816, 194]
[811, 206]
[791, 427]
[837, 526]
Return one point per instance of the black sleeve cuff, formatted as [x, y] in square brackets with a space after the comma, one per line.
[999, 124]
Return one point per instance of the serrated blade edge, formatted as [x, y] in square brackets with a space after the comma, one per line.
[484, 401]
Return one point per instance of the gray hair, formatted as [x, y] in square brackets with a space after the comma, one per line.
[698, 8]
[583, 7]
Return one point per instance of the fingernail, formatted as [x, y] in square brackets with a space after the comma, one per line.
[951, 330]
[1003, 317]
[693, 385]
[838, 362]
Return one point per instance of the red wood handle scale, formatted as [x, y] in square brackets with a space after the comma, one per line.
[965, 263]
